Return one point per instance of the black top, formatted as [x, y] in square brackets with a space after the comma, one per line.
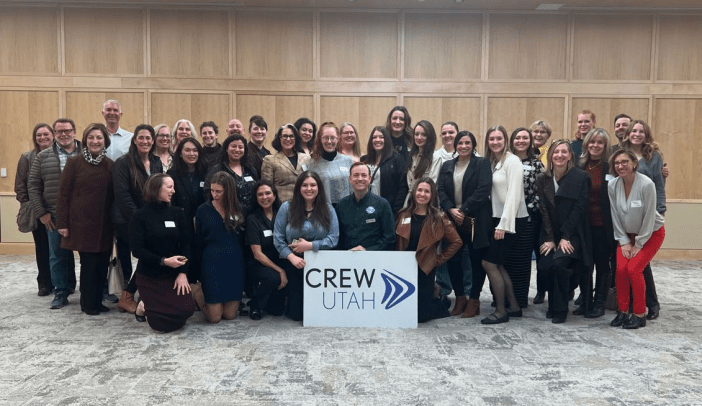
[212, 155]
[415, 231]
[254, 158]
[392, 174]
[189, 191]
[244, 184]
[368, 222]
[158, 231]
[401, 147]
[128, 197]
[259, 231]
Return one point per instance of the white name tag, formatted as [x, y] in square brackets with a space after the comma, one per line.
[609, 177]
[636, 203]
[202, 184]
[267, 233]
[370, 221]
[344, 169]
[408, 220]
[169, 224]
[248, 178]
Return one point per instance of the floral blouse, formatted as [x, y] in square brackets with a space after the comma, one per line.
[532, 167]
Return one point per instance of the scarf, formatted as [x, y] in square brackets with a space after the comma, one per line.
[89, 157]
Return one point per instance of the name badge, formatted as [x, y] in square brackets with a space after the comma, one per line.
[267, 233]
[636, 203]
[169, 224]
[202, 184]
[344, 169]
[407, 220]
[609, 177]
[368, 221]
[248, 178]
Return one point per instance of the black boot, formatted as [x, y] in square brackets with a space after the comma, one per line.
[620, 319]
[635, 322]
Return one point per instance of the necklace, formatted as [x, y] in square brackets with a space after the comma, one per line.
[590, 166]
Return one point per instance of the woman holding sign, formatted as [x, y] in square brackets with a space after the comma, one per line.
[422, 227]
[307, 222]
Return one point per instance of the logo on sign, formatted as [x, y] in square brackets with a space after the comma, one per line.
[394, 289]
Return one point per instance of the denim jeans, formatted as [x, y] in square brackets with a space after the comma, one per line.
[442, 274]
[61, 262]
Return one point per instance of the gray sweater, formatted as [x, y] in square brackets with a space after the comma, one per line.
[654, 170]
[637, 214]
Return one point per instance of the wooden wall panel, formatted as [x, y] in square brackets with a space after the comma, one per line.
[28, 40]
[20, 112]
[513, 112]
[167, 108]
[443, 45]
[680, 47]
[275, 109]
[363, 112]
[463, 111]
[191, 43]
[528, 46]
[677, 126]
[86, 107]
[612, 47]
[267, 45]
[104, 41]
[358, 45]
[605, 110]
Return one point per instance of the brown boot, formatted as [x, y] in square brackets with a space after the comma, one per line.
[198, 295]
[127, 303]
[472, 309]
[460, 305]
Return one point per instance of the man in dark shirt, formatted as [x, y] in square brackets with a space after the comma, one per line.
[211, 148]
[366, 222]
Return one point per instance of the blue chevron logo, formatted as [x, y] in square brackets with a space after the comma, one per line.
[394, 289]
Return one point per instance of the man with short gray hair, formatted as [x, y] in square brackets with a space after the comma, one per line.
[119, 138]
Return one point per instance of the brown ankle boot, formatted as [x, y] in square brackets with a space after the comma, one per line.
[198, 295]
[472, 309]
[127, 303]
[460, 305]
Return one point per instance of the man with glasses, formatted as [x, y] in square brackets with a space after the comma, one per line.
[119, 138]
[43, 183]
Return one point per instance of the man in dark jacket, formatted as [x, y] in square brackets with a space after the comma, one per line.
[43, 184]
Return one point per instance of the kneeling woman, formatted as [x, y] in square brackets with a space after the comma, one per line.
[306, 222]
[422, 227]
[638, 228]
[219, 234]
[160, 236]
[563, 195]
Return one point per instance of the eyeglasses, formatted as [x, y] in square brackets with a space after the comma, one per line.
[64, 131]
[327, 139]
[287, 136]
[624, 162]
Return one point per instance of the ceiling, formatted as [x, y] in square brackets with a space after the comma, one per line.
[567, 5]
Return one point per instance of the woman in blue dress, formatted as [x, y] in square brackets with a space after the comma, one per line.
[219, 236]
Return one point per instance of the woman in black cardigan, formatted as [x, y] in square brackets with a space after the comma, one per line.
[387, 168]
[160, 236]
[563, 195]
[596, 149]
[476, 184]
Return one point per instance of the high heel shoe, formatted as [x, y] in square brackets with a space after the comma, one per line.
[139, 317]
[472, 309]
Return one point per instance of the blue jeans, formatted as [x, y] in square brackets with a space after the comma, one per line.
[61, 261]
[442, 272]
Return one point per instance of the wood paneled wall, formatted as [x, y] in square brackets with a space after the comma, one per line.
[476, 68]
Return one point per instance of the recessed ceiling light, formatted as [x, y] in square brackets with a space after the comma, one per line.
[549, 6]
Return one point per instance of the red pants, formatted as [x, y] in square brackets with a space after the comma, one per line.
[630, 272]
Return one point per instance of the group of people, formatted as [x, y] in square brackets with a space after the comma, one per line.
[210, 222]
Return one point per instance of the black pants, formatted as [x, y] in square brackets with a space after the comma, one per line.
[93, 273]
[124, 254]
[518, 265]
[560, 277]
[456, 269]
[428, 306]
[602, 252]
[41, 251]
[295, 291]
[266, 296]
[479, 275]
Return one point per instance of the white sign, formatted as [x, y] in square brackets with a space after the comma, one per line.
[360, 289]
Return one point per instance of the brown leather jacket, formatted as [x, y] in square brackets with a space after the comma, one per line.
[429, 240]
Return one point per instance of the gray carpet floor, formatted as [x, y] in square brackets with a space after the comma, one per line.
[63, 357]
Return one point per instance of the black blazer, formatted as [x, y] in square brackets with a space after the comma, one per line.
[564, 213]
[184, 196]
[128, 197]
[476, 187]
[392, 175]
